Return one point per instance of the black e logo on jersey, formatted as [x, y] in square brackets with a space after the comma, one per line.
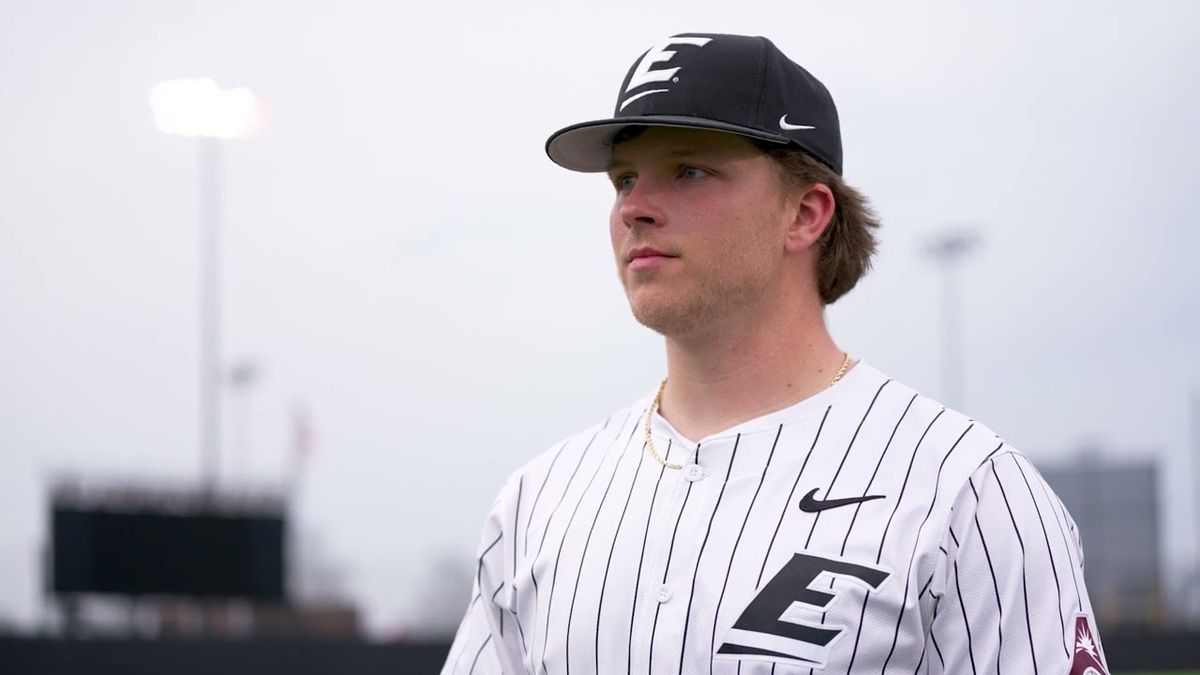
[772, 625]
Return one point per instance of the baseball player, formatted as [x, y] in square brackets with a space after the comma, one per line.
[776, 505]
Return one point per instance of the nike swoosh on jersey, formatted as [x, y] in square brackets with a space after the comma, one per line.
[811, 505]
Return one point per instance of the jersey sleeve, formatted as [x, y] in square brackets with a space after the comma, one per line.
[1010, 592]
[489, 640]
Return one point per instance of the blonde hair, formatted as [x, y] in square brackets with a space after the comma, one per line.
[848, 243]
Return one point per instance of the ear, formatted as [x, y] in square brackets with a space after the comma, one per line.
[812, 211]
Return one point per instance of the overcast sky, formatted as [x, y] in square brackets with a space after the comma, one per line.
[400, 257]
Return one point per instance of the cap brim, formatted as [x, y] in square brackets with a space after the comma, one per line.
[587, 146]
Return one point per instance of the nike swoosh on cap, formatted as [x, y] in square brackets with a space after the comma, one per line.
[783, 124]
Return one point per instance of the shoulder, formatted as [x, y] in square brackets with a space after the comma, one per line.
[543, 479]
[564, 456]
[946, 446]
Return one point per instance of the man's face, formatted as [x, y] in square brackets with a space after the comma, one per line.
[698, 228]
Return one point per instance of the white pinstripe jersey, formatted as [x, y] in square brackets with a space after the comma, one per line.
[927, 545]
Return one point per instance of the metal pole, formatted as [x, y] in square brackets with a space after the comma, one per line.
[947, 250]
[1195, 456]
[210, 356]
[951, 311]
[242, 378]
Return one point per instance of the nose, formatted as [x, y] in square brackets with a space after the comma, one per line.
[641, 205]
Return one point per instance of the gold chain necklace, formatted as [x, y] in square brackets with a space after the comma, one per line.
[658, 401]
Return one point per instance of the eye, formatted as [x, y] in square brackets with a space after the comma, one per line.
[623, 182]
[692, 172]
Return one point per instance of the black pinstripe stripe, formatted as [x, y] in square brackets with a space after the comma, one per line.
[924, 648]
[700, 554]
[637, 580]
[995, 583]
[562, 542]
[925, 587]
[1024, 583]
[521, 633]
[788, 501]
[828, 489]
[1053, 566]
[537, 497]
[1074, 534]
[784, 511]
[962, 605]
[587, 542]
[871, 481]
[937, 481]
[883, 539]
[904, 485]
[517, 522]
[613, 547]
[515, 538]
[466, 625]
[1054, 505]
[933, 638]
[713, 642]
[474, 663]
[545, 531]
[479, 561]
[499, 610]
[667, 567]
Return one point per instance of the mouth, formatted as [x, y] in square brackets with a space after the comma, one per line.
[645, 252]
[643, 258]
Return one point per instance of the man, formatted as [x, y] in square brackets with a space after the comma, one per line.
[777, 505]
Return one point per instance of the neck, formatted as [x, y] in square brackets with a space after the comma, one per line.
[729, 376]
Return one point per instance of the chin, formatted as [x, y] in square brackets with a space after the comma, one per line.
[670, 319]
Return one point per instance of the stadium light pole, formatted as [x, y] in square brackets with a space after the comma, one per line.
[243, 375]
[947, 250]
[199, 108]
[1194, 419]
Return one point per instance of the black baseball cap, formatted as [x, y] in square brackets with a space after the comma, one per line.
[735, 83]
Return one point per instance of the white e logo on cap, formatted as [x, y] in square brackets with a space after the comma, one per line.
[659, 53]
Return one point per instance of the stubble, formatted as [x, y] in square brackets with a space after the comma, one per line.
[701, 301]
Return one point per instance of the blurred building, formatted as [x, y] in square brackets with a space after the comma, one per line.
[1115, 505]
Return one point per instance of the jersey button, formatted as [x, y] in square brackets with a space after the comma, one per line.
[664, 593]
[694, 472]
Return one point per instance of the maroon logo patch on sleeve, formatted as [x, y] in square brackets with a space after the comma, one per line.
[1088, 660]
